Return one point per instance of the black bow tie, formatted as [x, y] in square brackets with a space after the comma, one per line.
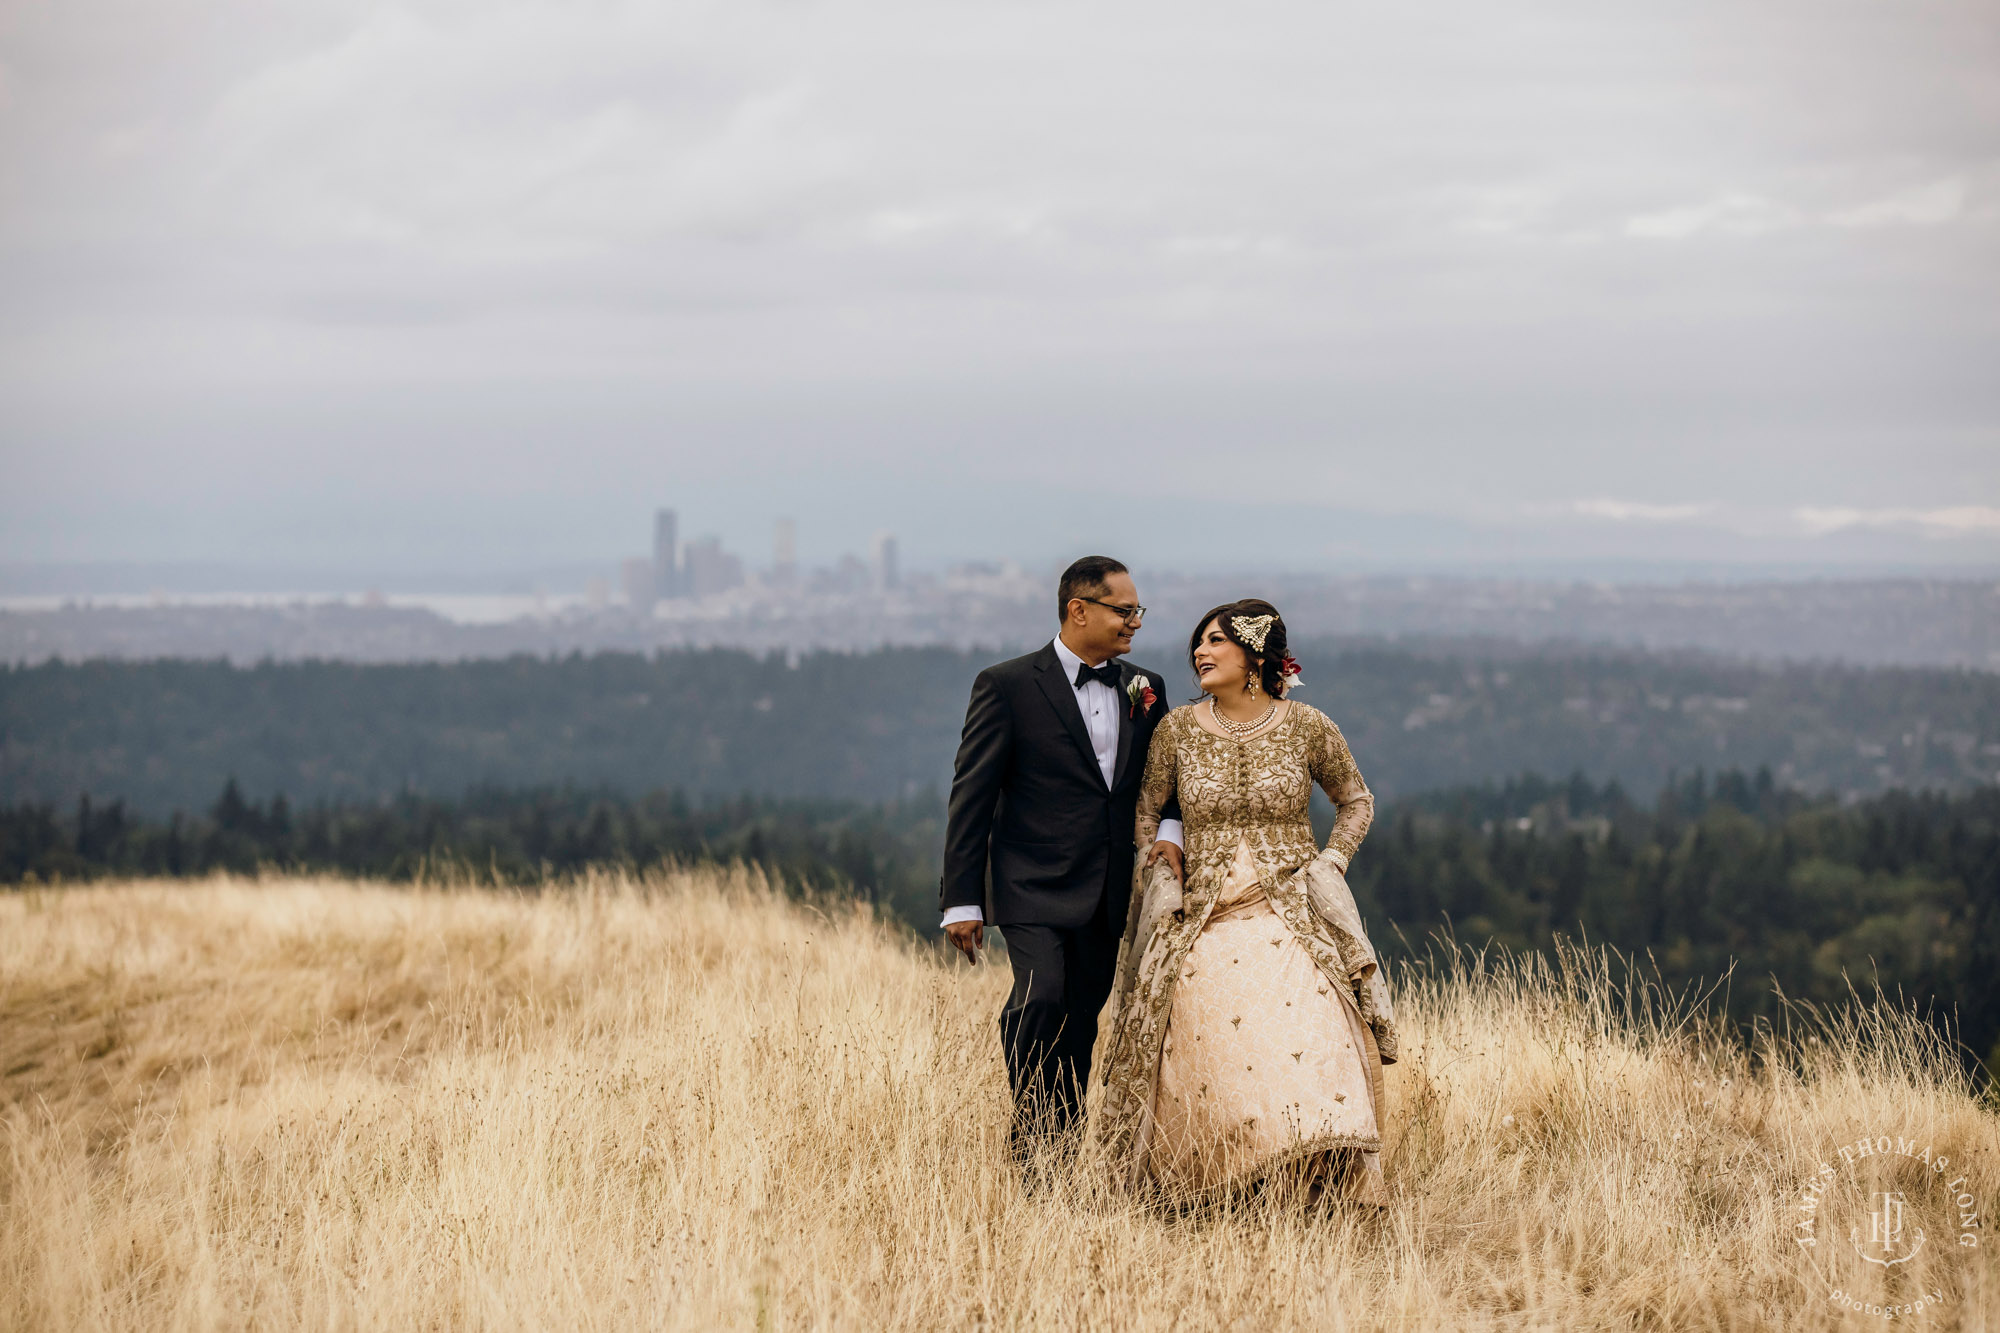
[1108, 674]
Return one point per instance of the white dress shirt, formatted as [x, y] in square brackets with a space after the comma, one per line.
[1099, 704]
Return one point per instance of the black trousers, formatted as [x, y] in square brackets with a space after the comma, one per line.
[1062, 977]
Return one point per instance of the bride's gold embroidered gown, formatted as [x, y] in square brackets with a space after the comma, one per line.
[1250, 1020]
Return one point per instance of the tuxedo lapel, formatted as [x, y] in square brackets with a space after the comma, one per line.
[1062, 697]
[1127, 724]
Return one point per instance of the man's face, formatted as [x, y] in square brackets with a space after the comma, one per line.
[1106, 633]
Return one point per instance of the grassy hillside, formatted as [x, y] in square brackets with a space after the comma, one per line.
[884, 726]
[687, 1102]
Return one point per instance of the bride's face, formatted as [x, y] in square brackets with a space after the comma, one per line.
[1219, 664]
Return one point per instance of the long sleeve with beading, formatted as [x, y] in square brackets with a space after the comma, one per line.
[1156, 785]
[1333, 768]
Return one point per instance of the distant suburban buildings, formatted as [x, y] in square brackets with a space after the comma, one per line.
[1005, 607]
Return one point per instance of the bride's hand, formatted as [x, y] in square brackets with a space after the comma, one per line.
[1168, 852]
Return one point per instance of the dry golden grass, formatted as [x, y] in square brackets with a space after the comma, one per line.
[688, 1102]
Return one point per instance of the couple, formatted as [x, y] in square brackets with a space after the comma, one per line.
[1249, 1019]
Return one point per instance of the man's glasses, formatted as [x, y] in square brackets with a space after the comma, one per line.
[1128, 614]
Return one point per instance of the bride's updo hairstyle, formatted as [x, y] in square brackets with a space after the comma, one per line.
[1267, 663]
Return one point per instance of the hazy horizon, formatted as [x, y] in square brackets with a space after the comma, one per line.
[60, 581]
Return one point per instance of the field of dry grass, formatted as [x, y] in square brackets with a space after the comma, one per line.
[689, 1102]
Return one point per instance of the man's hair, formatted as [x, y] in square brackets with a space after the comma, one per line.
[1085, 578]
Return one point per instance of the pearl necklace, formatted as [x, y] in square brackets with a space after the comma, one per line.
[1239, 729]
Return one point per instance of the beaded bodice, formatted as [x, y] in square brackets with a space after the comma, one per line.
[1256, 790]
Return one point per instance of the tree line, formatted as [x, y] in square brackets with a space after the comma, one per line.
[1735, 872]
[1738, 878]
[488, 837]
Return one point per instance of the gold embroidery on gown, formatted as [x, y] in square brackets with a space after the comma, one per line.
[1250, 1019]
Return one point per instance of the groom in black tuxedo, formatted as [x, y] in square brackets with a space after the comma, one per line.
[1043, 795]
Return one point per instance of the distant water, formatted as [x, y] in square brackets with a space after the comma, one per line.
[459, 608]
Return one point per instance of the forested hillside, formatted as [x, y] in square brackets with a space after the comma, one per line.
[1798, 895]
[883, 726]
[887, 853]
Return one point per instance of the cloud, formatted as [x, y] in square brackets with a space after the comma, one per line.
[1630, 511]
[1931, 205]
[1925, 206]
[1730, 214]
[1948, 521]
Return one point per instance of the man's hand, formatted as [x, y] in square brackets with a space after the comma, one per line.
[1168, 852]
[966, 937]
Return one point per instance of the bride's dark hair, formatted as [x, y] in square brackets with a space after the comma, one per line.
[1267, 663]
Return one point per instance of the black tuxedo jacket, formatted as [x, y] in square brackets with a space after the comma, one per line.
[1029, 802]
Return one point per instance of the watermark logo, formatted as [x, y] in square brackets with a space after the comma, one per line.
[1907, 1219]
[1886, 1242]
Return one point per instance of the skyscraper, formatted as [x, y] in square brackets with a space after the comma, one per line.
[785, 553]
[709, 569]
[667, 554]
[883, 562]
[635, 578]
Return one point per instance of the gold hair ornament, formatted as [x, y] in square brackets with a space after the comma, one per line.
[1252, 630]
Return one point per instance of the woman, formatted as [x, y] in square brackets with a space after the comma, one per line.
[1250, 1019]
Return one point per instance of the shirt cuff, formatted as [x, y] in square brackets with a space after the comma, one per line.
[1170, 831]
[954, 915]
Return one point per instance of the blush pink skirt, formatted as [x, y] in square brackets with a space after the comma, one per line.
[1265, 1061]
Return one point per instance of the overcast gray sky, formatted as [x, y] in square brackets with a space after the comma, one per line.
[476, 283]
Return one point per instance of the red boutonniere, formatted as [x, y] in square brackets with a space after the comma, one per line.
[1141, 694]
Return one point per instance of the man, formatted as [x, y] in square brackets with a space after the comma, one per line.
[1044, 794]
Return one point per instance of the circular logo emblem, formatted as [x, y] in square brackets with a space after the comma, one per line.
[1884, 1223]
